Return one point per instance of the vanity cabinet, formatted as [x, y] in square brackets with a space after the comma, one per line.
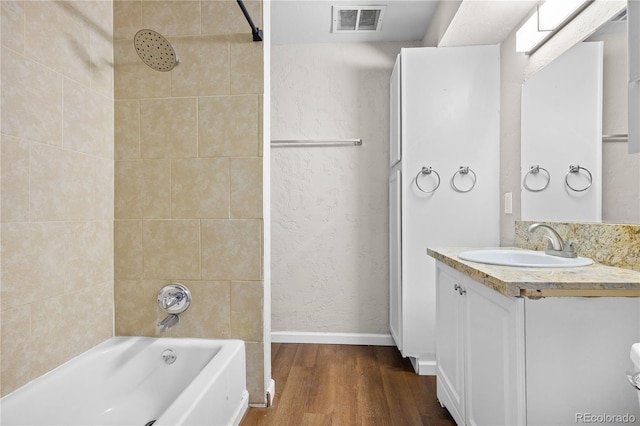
[479, 351]
[509, 360]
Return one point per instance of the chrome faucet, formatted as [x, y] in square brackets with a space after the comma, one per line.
[557, 246]
[168, 322]
[174, 299]
[171, 299]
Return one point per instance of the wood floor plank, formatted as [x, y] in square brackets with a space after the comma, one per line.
[313, 419]
[285, 354]
[403, 408]
[372, 403]
[344, 385]
[292, 405]
[327, 378]
[306, 355]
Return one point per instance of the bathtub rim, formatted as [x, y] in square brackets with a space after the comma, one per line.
[226, 347]
[189, 395]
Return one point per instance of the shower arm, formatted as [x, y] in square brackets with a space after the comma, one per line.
[257, 32]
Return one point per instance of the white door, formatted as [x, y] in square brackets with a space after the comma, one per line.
[450, 344]
[395, 116]
[494, 346]
[450, 118]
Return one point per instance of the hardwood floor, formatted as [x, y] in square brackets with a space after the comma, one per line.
[347, 385]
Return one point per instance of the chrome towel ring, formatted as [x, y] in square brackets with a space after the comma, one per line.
[427, 171]
[463, 171]
[576, 169]
[534, 170]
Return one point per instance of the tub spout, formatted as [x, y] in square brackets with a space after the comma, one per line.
[168, 322]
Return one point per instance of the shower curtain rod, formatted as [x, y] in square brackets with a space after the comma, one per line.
[257, 32]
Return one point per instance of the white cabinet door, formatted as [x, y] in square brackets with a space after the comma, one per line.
[450, 343]
[450, 102]
[479, 352]
[494, 346]
[395, 260]
[395, 117]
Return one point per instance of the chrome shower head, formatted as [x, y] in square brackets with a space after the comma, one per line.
[155, 50]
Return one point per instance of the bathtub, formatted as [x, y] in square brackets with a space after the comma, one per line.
[138, 381]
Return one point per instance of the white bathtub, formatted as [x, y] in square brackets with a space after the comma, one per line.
[126, 381]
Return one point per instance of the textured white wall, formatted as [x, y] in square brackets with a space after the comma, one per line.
[329, 204]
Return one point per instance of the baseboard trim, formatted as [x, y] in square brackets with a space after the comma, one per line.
[332, 338]
[424, 367]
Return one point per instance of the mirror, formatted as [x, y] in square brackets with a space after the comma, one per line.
[561, 138]
[620, 171]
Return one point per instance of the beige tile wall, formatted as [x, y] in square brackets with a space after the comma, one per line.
[188, 174]
[57, 168]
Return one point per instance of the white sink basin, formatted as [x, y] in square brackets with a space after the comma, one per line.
[527, 258]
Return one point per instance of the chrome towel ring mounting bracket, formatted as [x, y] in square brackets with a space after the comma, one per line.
[427, 171]
[534, 170]
[463, 171]
[575, 169]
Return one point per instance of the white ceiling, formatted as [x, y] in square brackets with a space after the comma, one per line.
[309, 21]
[475, 22]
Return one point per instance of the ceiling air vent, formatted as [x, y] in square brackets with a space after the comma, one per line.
[357, 18]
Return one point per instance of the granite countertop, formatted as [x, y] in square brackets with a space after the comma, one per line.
[593, 280]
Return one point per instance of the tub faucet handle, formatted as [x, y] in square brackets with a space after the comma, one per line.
[171, 299]
[174, 298]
